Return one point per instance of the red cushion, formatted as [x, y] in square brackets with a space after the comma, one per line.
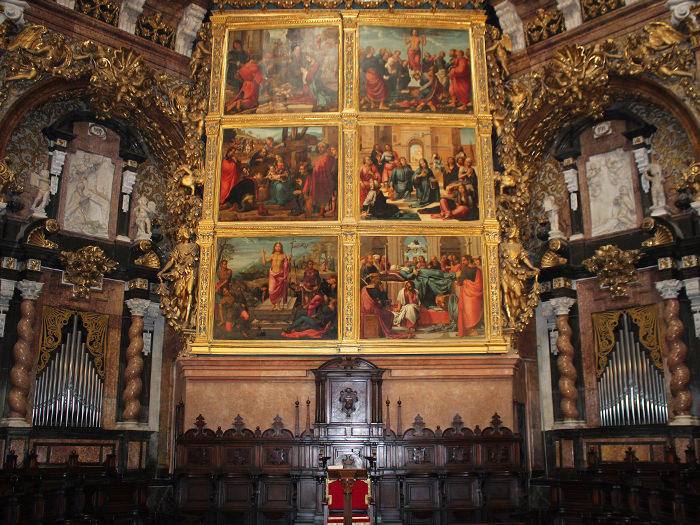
[359, 493]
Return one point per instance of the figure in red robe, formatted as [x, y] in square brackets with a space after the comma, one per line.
[321, 184]
[247, 98]
[471, 298]
[414, 43]
[368, 173]
[278, 279]
[230, 173]
[460, 82]
[371, 298]
[376, 91]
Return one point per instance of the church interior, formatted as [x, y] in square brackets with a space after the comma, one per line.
[373, 261]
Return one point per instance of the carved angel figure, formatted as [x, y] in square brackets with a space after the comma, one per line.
[38, 51]
[42, 195]
[654, 178]
[180, 270]
[500, 46]
[516, 268]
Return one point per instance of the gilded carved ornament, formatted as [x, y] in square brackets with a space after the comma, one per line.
[363, 4]
[547, 22]
[123, 87]
[37, 237]
[614, 267]
[9, 181]
[573, 85]
[85, 269]
[662, 234]
[690, 180]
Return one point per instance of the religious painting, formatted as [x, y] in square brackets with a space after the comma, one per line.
[283, 70]
[610, 192]
[415, 70]
[423, 287]
[276, 288]
[279, 174]
[418, 173]
[88, 194]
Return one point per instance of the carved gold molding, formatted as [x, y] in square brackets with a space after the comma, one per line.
[37, 237]
[547, 22]
[85, 269]
[661, 234]
[614, 267]
[9, 182]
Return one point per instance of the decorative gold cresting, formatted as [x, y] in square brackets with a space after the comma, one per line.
[334, 4]
[547, 22]
[614, 267]
[551, 257]
[85, 269]
[123, 87]
[595, 8]
[690, 180]
[52, 322]
[103, 10]
[647, 320]
[37, 237]
[149, 258]
[154, 29]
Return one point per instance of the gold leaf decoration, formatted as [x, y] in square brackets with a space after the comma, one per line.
[85, 269]
[614, 267]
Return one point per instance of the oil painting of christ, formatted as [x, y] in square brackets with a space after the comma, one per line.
[279, 174]
[276, 288]
[283, 70]
[421, 287]
[415, 70]
[418, 173]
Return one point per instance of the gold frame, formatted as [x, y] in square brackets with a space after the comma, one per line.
[348, 227]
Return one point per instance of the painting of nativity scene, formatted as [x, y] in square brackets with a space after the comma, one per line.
[418, 173]
[285, 70]
[276, 288]
[288, 173]
[415, 70]
[421, 287]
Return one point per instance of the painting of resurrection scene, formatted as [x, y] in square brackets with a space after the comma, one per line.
[422, 287]
[285, 70]
[276, 288]
[287, 173]
[418, 173]
[415, 70]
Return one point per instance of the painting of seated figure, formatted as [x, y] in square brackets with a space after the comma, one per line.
[279, 288]
[279, 174]
[421, 287]
[418, 173]
[282, 70]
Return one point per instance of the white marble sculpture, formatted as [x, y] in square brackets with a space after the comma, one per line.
[551, 211]
[143, 211]
[89, 194]
[654, 177]
[610, 192]
[43, 194]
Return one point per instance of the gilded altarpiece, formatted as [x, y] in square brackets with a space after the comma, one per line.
[349, 201]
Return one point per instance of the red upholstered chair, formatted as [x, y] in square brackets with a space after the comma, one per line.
[361, 501]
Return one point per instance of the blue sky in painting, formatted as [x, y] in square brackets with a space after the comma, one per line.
[393, 38]
[249, 249]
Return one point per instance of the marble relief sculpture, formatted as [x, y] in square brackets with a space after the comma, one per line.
[89, 194]
[610, 192]
[143, 211]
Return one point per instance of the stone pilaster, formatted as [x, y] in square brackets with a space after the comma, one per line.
[134, 361]
[676, 352]
[23, 355]
[190, 23]
[511, 24]
[565, 361]
[129, 12]
[571, 9]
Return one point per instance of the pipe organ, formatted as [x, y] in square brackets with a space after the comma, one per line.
[69, 388]
[631, 389]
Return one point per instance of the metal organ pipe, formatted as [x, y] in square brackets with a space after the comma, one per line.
[69, 389]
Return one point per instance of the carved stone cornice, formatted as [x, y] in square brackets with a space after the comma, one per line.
[614, 267]
[669, 289]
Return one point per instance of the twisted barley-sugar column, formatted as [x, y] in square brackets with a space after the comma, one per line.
[134, 361]
[22, 350]
[675, 347]
[565, 361]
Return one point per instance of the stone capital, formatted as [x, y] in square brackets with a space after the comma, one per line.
[562, 305]
[138, 307]
[13, 10]
[190, 23]
[571, 9]
[30, 290]
[669, 289]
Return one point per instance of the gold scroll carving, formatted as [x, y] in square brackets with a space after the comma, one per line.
[647, 320]
[52, 322]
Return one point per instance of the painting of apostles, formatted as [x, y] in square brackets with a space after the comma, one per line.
[417, 173]
[421, 287]
[276, 288]
[288, 173]
[285, 70]
[415, 70]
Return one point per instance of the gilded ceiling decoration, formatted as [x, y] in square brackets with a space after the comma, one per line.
[530, 111]
[122, 87]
